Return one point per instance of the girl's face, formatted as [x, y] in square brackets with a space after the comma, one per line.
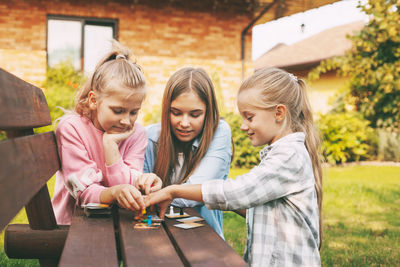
[115, 113]
[259, 124]
[187, 114]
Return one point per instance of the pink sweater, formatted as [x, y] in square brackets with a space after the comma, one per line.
[84, 174]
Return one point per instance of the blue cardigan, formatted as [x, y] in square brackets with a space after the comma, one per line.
[214, 165]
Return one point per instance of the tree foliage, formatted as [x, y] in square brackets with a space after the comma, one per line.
[373, 65]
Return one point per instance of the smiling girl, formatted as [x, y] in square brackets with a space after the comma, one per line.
[281, 196]
[100, 145]
[191, 145]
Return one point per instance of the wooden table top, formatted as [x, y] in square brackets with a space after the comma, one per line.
[105, 241]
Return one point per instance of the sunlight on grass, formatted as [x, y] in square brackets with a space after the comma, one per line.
[361, 210]
[340, 245]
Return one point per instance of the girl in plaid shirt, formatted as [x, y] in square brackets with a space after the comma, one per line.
[282, 196]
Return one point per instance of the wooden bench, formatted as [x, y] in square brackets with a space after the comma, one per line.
[29, 160]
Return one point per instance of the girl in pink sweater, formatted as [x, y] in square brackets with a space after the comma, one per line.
[100, 145]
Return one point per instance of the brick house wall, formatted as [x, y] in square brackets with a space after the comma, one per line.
[164, 37]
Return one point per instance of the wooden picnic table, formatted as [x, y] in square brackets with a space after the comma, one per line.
[106, 241]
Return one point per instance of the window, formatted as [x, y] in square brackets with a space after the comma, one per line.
[82, 41]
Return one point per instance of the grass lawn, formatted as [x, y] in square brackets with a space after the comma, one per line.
[361, 211]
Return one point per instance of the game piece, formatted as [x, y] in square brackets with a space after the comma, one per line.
[177, 215]
[149, 222]
[188, 225]
[142, 225]
[173, 215]
[191, 219]
[155, 218]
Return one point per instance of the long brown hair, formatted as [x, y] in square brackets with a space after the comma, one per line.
[115, 67]
[279, 87]
[187, 79]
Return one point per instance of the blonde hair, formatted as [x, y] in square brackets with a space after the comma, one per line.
[115, 67]
[185, 80]
[277, 86]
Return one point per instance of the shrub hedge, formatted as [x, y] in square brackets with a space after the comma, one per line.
[345, 137]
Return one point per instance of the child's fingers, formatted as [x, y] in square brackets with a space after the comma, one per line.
[141, 182]
[146, 200]
[123, 202]
[148, 182]
[122, 136]
[118, 136]
[157, 184]
[151, 199]
[154, 183]
[131, 195]
[129, 203]
[137, 199]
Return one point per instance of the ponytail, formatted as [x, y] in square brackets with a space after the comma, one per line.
[312, 144]
[115, 66]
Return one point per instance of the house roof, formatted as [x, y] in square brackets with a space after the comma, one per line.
[310, 51]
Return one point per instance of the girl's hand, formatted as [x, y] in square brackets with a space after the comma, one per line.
[116, 137]
[162, 197]
[128, 197]
[110, 144]
[148, 182]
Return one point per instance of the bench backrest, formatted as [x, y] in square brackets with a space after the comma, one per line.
[27, 160]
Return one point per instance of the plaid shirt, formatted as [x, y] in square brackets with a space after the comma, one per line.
[282, 217]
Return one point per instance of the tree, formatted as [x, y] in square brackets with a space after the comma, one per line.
[373, 65]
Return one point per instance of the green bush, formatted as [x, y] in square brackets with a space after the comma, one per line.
[346, 137]
[60, 86]
[246, 155]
